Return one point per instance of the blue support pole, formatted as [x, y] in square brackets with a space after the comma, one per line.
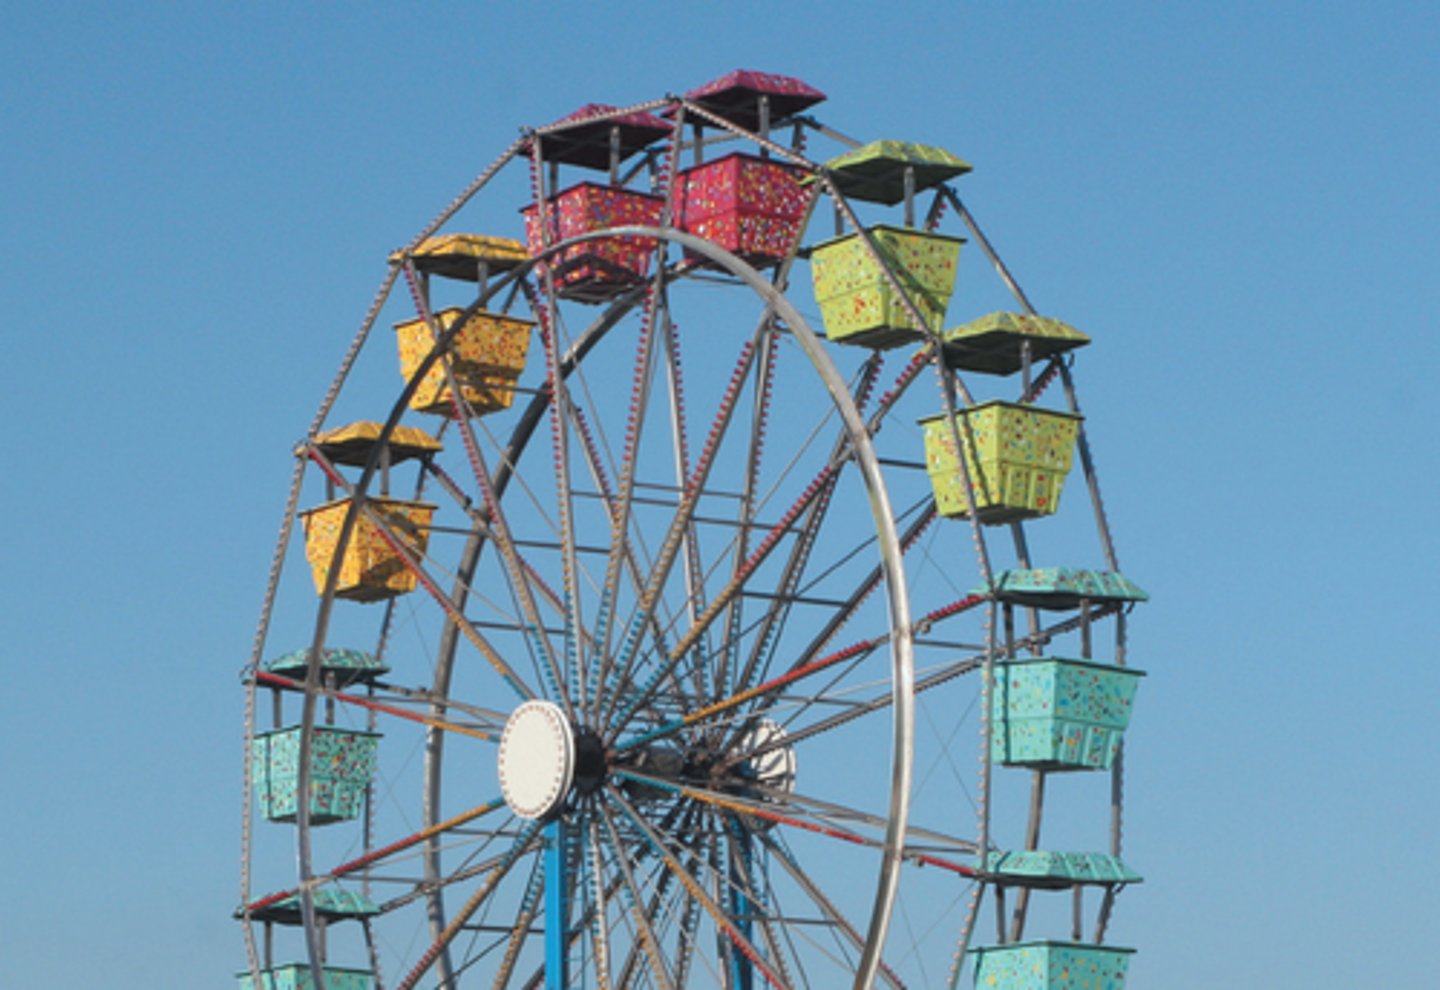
[742, 970]
[557, 908]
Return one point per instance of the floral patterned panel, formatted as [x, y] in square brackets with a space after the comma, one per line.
[371, 570]
[856, 300]
[1051, 966]
[749, 206]
[341, 765]
[1017, 458]
[603, 264]
[487, 357]
[1060, 714]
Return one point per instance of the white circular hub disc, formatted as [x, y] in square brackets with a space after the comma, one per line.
[537, 759]
[775, 769]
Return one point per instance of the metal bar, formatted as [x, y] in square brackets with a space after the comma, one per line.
[740, 697]
[693, 574]
[351, 699]
[647, 939]
[829, 132]
[762, 651]
[620, 512]
[696, 891]
[1092, 480]
[599, 956]
[670, 548]
[1117, 788]
[1102, 917]
[560, 417]
[402, 552]
[442, 941]
[631, 565]
[376, 854]
[726, 680]
[495, 519]
[794, 599]
[865, 588]
[736, 584]
[656, 306]
[828, 909]
[557, 908]
[979, 235]
[1077, 927]
[759, 809]
[1032, 842]
[531, 573]
[742, 974]
[898, 463]
[760, 404]
[615, 886]
[933, 841]
[934, 680]
[1022, 558]
[717, 521]
[610, 113]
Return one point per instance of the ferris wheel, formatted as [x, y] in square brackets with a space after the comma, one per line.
[695, 607]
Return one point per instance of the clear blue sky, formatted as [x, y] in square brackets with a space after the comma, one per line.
[1239, 202]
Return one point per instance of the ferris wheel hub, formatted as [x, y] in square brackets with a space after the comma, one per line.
[537, 759]
[771, 762]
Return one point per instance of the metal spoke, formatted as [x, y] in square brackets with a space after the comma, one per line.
[697, 892]
[402, 552]
[599, 913]
[494, 517]
[695, 484]
[812, 890]
[722, 682]
[448, 933]
[375, 855]
[757, 664]
[524, 919]
[648, 942]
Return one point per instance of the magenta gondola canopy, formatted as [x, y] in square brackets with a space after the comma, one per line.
[583, 137]
[736, 96]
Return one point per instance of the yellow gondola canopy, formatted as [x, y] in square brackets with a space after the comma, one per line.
[461, 256]
[992, 343]
[875, 172]
[352, 444]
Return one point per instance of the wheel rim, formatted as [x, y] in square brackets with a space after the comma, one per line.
[640, 758]
[572, 554]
